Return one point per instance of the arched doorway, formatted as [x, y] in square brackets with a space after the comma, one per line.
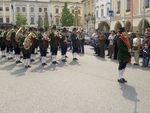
[128, 25]
[146, 25]
[103, 27]
[118, 26]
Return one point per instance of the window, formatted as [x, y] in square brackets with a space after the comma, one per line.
[1, 8]
[102, 12]
[128, 5]
[1, 20]
[57, 10]
[40, 9]
[32, 20]
[147, 4]
[118, 7]
[23, 9]
[7, 9]
[107, 11]
[18, 9]
[7, 20]
[32, 9]
[97, 15]
[45, 9]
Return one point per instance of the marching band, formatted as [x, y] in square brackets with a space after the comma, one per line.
[17, 43]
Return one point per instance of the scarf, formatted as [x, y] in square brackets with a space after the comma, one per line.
[125, 40]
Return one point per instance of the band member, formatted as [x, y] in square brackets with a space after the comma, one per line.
[15, 36]
[9, 44]
[1, 37]
[54, 42]
[75, 43]
[34, 43]
[43, 45]
[3, 43]
[25, 45]
[123, 54]
[63, 45]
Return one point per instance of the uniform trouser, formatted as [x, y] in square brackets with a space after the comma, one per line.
[111, 49]
[54, 50]
[146, 61]
[43, 52]
[75, 49]
[26, 55]
[122, 65]
[136, 56]
[3, 46]
[102, 50]
[63, 49]
[9, 48]
[17, 50]
[33, 50]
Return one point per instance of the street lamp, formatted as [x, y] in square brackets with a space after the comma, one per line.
[123, 21]
[93, 20]
[51, 19]
[87, 18]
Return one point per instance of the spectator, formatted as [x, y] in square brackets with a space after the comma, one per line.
[146, 55]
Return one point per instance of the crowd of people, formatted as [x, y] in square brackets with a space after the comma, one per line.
[122, 45]
[17, 43]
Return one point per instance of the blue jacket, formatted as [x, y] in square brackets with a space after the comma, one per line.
[146, 53]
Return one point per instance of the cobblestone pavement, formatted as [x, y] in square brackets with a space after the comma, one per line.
[87, 86]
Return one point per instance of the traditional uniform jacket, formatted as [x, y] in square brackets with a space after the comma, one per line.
[13, 37]
[74, 40]
[42, 42]
[122, 49]
[63, 41]
[1, 36]
[54, 40]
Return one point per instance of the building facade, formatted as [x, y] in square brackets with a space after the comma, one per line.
[131, 14]
[32, 9]
[89, 15]
[103, 19]
[5, 11]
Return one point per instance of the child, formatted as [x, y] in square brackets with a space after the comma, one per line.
[146, 55]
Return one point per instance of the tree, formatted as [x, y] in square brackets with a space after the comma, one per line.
[20, 19]
[40, 22]
[46, 22]
[67, 18]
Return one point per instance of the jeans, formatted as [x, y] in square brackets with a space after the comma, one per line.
[145, 61]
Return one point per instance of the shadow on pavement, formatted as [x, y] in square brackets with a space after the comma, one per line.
[8, 67]
[3, 61]
[74, 63]
[19, 72]
[39, 69]
[51, 67]
[129, 92]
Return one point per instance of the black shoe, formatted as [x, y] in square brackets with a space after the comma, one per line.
[120, 81]
[136, 64]
[32, 60]
[44, 64]
[3, 56]
[26, 66]
[19, 61]
[124, 80]
[10, 58]
[75, 59]
[54, 62]
[66, 56]
[64, 60]
[29, 66]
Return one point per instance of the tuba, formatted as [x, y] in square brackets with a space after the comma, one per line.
[27, 42]
[8, 36]
[17, 34]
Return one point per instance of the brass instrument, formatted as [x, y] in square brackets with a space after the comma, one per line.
[8, 36]
[45, 37]
[18, 34]
[28, 42]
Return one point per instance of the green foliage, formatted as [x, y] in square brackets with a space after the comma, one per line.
[67, 18]
[46, 22]
[20, 19]
[40, 22]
